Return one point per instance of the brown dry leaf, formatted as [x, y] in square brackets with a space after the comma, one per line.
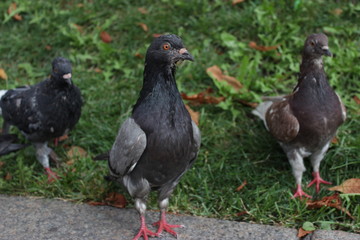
[195, 116]
[116, 200]
[93, 203]
[330, 201]
[3, 74]
[97, 70]
[12, 8]
[203, 97]
[8, 177]
[76, 152]
[155, 35]
[351, 185]
[48, 47]
[253, 45]
[337, 11]
[105, 37]
[234, 2]
[356, 99]
[143, 26]
[216, 72]
[246, 103]
[241, 213]
[2, 164]
[303, 233]
[335, 140]
[241, 186]
[78, 27]
[139, 55]
[143, 10]
[63, 138]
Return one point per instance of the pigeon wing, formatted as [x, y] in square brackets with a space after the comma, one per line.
[281, 123]
[128, 147]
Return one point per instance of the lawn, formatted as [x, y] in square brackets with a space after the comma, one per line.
[235, 145]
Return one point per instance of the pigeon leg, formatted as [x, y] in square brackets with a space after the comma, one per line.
[297, 165]
[163, 225]
[317, 180]
[42, 154]
[315, 161]
[300, 193]
[144, 232]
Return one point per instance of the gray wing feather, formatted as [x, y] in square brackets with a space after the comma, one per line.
[127, 149]
[197, 136]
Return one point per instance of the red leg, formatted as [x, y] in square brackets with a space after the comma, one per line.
[56, 141]
[51, 175]
[300, 193]
[317, 180]
[144, 231]
[163, 225]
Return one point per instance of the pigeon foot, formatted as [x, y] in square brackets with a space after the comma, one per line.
[144, 231]
[164, 226]
[300, 193]
[51, 175]
[317, 180]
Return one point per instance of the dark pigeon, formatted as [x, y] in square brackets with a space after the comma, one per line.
[159, 142]
[305, 121]
[8, 144]
[44, 111]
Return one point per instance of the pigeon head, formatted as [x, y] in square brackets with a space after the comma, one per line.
[167, 50]
[316, 45]
[61, 69]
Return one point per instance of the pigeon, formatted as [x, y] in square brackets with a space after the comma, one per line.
[44, 111]
[8, 144]
[159, 142]
[305, 121]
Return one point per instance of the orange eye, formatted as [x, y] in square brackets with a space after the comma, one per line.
[166, 46]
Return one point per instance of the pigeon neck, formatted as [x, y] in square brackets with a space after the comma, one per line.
[59, 83]
[311, 63]
[158, 74]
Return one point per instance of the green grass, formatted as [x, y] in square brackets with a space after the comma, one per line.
[235, 145]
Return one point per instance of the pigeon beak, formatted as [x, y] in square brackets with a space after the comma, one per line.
[67, 76]
[326, 51]
[185, 55]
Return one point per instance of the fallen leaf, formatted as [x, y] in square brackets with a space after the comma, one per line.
[63, 138]
[143, 26]
[262, 48]
[195, 116]
[3, 74]
[250, 104]
[234, 2]
[356, 99]
[105, 37]
[76, 152]
[337, 11]
[143, 10]
[48, 47]
[329, 201]
[93, 203]
[97, 70]
[78, 27]
[2, 164]
[303, 233]
[155, 35]
[241, 186]
[12, 8]
[334, 140]
[241, 213]
[139, 55]
[8, 177]
[216, 72]
[351, 185]
[203, 97]
[80, 5]
[116, 200]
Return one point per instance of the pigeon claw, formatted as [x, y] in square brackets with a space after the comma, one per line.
[144, 231]
[300, 193]
[51, 175]
[164, 226]
[317, 181]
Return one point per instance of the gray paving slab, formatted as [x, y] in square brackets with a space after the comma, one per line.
[32, 218]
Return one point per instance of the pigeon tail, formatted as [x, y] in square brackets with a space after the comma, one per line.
[260, 111]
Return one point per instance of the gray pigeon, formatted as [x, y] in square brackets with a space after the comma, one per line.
[44, 111]
[159, 142]
[305, 121]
